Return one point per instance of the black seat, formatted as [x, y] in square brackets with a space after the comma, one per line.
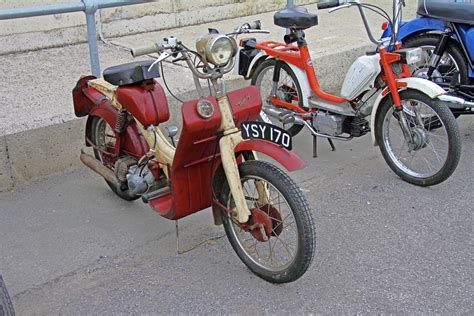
[457, 12]
[130, 73]
[297, 18]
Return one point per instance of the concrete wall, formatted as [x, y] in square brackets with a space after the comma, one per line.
[64, 29]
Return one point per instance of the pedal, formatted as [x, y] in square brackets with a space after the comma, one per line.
[147, 197]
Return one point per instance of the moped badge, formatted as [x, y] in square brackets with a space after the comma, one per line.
[205, 108]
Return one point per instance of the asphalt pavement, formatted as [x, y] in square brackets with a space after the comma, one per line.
[69, 246]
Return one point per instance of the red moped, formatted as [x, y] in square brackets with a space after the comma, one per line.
[265, 215]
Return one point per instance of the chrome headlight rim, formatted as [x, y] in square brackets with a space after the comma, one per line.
[214, 48]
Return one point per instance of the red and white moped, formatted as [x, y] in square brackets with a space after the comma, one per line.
[265, 215]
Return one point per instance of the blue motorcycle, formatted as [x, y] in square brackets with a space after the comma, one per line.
[444, 29]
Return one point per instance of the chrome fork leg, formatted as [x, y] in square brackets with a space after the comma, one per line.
[402, 121]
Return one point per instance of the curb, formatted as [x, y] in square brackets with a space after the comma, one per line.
[37, 153]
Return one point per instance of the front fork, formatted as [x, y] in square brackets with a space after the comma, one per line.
[232, 137]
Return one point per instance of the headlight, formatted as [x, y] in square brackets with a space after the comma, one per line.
[410, 55]
[217, 49]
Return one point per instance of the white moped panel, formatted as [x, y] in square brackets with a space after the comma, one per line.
[429, 88]
[361, 76]
[253, 63]
[304, 84]
[299, 73]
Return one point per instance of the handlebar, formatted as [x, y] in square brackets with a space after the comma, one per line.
[149, 49]
[328, 4]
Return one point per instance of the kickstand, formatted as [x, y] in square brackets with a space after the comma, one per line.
[332, 144]
[315, 146]
[180, 252]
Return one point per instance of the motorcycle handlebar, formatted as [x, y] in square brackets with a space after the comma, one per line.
[328, 4]
[145, 50]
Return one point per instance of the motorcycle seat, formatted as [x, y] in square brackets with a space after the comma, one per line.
[457, 12]
[297, 18]
[130, 73]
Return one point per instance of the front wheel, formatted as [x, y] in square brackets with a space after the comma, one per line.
[434, 151]
[281, 246]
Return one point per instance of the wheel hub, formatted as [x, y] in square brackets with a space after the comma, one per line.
[420, 139]
[264, 222]
[423, 73]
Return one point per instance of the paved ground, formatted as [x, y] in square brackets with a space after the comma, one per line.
[69, 246]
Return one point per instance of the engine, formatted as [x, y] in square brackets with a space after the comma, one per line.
[138, 178]
[327, 123]
[336, 124]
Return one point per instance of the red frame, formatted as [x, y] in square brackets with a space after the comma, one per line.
[301, 58]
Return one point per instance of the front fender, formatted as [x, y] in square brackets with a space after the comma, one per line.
[429, 88]
[416, 26]
[287, 159]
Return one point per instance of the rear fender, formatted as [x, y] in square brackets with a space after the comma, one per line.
[416, 26]
[429, 88]
[257, 60]
[133, 143]
[299, 73]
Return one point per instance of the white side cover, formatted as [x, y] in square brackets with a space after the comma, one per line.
[429, 88]
[361, 76]
[299, 73]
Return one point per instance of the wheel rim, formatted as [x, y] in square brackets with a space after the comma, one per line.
[447, 66]
[105, 140]
[281, 249]
[286, 91]
[430, 153]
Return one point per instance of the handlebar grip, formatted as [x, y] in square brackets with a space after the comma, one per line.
[328, 4]
[145, 50]
[255, 25]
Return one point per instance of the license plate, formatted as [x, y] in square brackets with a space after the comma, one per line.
[261, 130]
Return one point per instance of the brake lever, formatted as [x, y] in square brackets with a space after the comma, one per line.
[163, 56]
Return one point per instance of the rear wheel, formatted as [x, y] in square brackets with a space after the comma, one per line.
[288, 90]
[103, 136]
[436, 148]
[281, 246]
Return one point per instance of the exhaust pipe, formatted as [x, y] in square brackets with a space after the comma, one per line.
[284, 116]
[456, 102]
[99, 168]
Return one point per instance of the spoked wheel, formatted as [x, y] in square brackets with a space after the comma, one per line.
[451, 63]
[434, 153]
[288, 90]
[278, 241]
[103, 136]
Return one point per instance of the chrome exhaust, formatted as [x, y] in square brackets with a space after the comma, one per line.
[457, 102]
[284, 116]
[99, 168]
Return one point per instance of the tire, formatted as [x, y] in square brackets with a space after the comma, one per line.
[452, 59]
[298, 208]
[262, 78]
[430, 138]
[6, 306]
[98, 137]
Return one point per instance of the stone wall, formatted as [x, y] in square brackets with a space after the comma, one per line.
[63, 29]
